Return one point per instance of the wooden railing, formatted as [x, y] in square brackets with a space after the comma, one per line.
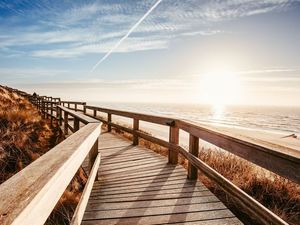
[269, 157]
[266, 155]
[77, 106]
[29, 196]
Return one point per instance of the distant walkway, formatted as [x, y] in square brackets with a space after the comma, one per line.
[137, 186]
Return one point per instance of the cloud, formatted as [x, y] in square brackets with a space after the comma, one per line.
[75, 29]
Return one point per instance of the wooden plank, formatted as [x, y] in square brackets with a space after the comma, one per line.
[151, 203]
[152, 197]
[149, 183]
[153, 211]
[80, 209]
[159, 191]
[133, 163]
[223, 221]
[41, 184]
[167, 189]
[207, 216]
[138, 166]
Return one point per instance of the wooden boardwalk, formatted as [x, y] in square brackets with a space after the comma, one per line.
[137, 186]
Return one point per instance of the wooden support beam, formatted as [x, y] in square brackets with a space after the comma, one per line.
[60, 116]
[194, 150]
[76, 124]
[92, 157]
[108, 122]
[135, 128]
[66, 123]
[173, 139]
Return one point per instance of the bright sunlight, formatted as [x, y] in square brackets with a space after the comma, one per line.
[221, 88]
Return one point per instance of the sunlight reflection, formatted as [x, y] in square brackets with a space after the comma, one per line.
[218, 112]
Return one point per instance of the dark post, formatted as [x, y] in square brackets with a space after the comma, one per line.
[92, 156]
[194, 150]
[66, 128]
[135, 128]
[76, 124]
[173, 139]
[108, 122]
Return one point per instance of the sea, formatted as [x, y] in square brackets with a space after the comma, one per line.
[285, 120]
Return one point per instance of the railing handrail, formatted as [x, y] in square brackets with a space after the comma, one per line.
[135, 115]
[268, 147]
[38, 187]
[74, 102]
[81, 117]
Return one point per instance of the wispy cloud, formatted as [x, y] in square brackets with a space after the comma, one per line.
[61, 30]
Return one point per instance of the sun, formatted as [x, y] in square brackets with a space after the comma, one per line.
[220, 88]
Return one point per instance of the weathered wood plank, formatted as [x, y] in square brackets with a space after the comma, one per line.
[153, 211]
[195, 217]
[151, 203]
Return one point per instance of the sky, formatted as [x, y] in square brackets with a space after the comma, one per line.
[218, 52]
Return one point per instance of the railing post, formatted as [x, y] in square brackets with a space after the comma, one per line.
[108, 122]
[51, 110]
[76, 124]
[66, 120]
[135, 128]
[84, 109]
[75, 106]
[194, 150]
[58, 114]
[95, 112]
[92, 156]
[44, 108]
[173, 139]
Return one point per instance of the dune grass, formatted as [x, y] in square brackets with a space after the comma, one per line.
[276, 193]
[24, 137]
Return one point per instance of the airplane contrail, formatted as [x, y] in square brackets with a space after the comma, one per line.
[126, 35]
